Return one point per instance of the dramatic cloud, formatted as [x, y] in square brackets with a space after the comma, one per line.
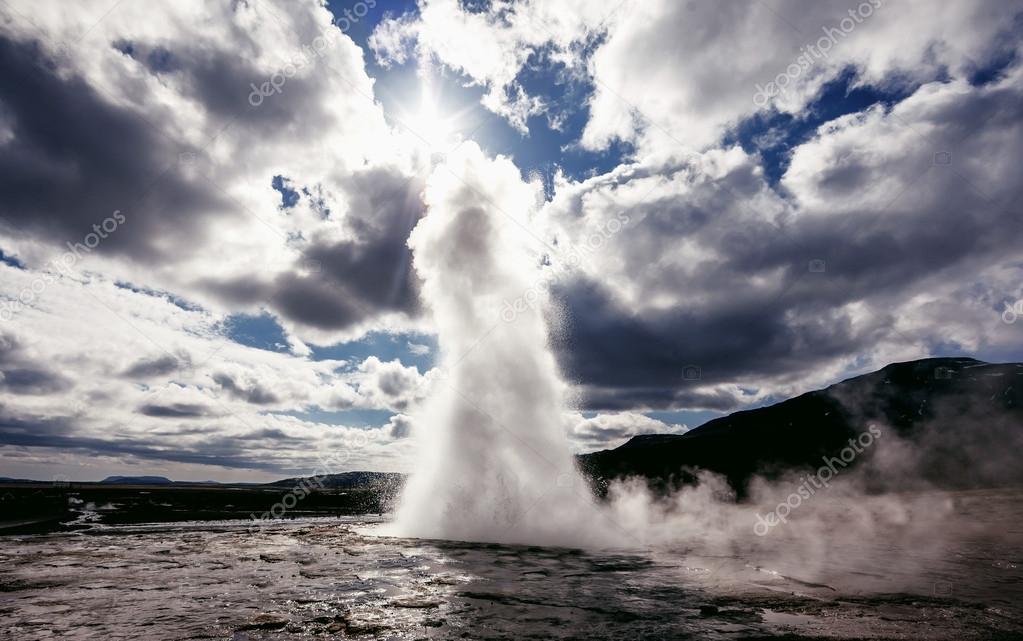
[764, 197]
[605, 431]
[708, 60]
[19, 373]
[197, 398]
[843, 269]
[146, 140]
[705, 61]
[743, 273]
[491, 43]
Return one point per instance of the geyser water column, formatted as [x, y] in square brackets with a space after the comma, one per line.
[494, 462]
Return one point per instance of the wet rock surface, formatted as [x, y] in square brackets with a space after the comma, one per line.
[334, 579]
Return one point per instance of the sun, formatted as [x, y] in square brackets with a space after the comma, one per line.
[430, 124]
[432, 121]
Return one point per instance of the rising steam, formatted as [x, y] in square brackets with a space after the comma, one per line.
[496, 465]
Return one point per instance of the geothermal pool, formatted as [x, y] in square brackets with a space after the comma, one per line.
[338, 578]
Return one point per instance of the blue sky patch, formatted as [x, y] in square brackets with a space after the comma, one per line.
[774, 135]
[1004, 56]
[174, 299]
[8, 259]
[540, 154]
[412, 349]
[289, 196]
[261, 331]
[348, 418]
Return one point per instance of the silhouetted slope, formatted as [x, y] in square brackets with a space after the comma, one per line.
[346, 480]
[961, 416]
[138, 480]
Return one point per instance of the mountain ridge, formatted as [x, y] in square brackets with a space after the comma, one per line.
[924, 402]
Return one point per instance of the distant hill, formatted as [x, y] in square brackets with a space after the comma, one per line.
[346, 480]
[138, 480]
[960, 421]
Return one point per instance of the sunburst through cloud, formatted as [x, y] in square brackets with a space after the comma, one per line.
[438, 319]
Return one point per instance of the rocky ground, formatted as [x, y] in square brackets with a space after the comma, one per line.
[334, 578]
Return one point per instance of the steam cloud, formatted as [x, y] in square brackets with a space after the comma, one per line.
[495, 464]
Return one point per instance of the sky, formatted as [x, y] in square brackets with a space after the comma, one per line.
[205, 209]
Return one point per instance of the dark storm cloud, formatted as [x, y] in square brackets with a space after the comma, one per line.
[351, 280]
[29, 380]
[221, 81]
[19, 375]
[313, 301]
[155, 366]
[665, 360]
[372, 272]
[767, 301]
[176, 410]
[401, 426]
[251, 393]
[17, 430]
[60, 433]
[75, 158]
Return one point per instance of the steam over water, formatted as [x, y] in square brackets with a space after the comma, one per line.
[496, 465]
[322, 579]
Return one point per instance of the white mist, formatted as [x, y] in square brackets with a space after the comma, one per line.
[495, 463]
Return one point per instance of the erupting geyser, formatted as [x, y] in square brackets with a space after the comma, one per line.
[494, 463]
